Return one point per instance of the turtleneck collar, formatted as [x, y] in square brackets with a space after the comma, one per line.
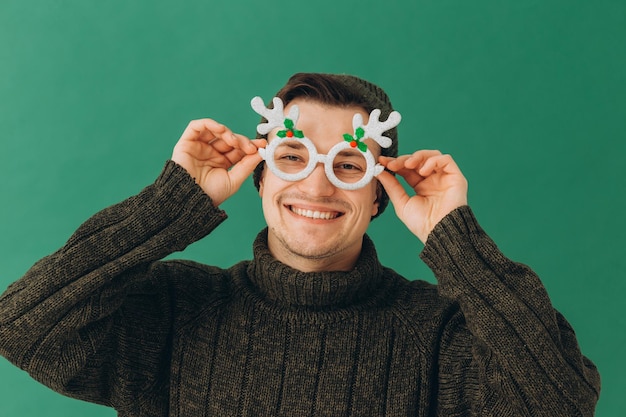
[282, 283]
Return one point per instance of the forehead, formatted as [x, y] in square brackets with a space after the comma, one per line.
[313, 112]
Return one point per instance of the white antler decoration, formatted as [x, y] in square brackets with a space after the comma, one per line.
[375, 128]
[275, 117]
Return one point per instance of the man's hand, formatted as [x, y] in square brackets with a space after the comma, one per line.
[218, 159]
[439, 187]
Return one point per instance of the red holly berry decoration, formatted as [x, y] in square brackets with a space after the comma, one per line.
[289, 131]
[355, 141]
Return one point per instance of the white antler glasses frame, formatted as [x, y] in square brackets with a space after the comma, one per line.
[276, 118]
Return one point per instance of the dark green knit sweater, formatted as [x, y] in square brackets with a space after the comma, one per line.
[104, 320]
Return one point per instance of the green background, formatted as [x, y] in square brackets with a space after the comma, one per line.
[528, 96]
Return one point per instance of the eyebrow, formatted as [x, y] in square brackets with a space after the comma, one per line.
[293, 144]
[350, 152]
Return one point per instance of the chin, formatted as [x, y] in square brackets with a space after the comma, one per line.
[313, 248]
[311, 244]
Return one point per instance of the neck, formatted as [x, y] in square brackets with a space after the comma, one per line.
[283, 283]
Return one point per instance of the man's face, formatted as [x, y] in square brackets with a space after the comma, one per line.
[312, 224]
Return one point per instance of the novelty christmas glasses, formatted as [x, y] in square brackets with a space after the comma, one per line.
[292, 156]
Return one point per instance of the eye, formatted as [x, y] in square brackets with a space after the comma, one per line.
[349, 170]
[348, 166]
[291, 158]
[350, 163]
[291, 152]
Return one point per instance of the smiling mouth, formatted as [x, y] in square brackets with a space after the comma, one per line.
[314, 214]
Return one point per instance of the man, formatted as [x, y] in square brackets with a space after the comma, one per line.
[313, 325]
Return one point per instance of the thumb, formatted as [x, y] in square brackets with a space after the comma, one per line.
[395, 190]
[242, 169]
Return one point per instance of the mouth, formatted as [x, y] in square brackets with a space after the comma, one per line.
[315, 214]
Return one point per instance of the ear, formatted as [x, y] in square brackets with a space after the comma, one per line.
[375, 208]
[376, 204]
[261, 182]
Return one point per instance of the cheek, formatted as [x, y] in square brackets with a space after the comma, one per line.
[270, 185]
[369, 199]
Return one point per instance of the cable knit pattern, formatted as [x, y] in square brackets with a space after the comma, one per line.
[105, 320]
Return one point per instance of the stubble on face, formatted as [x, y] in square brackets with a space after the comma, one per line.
[312, 242]
[316, 247]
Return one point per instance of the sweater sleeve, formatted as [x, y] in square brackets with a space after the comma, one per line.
[92, 320]
[524, 357]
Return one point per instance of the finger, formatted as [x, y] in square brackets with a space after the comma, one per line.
[394, 189]
[417, 159]
[441, 163]
[398, 166]
[393, 164]
[227, 141]
[218, 135]
[245, 144]
[410, 161]
[384, 160]
[233, 156]
[237, 147]
[203, 129]
[244, 168]
[259, 143]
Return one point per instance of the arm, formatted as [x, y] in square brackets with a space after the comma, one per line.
[56, 321]
[524, 355]
[92, 320]
[522, 350]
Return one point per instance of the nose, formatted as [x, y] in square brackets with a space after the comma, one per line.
[317, 183]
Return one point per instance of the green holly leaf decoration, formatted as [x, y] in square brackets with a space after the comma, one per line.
[289, 131]
[355, 141]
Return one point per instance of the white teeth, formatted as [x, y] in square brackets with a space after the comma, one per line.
[314, 214]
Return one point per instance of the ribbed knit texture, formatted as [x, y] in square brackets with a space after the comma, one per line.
[104, 320]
